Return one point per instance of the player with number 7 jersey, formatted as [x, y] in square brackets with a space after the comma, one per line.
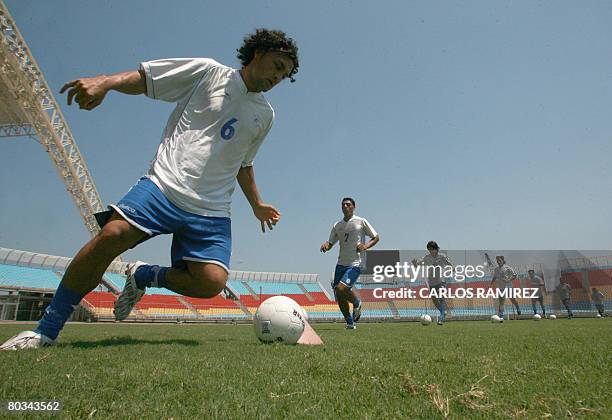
[350, 232]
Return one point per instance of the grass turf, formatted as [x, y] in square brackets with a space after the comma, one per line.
[520, 369]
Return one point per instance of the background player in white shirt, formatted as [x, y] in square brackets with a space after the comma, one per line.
[435, 280]
[564, 290]
[350, 232]
[503, 276]
[210, 140]
[597, 296]
[536, 282]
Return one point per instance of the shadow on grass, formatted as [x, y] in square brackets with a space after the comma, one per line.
[128, 341]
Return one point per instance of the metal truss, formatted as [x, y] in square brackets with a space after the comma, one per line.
[17, 130]
[20, 73]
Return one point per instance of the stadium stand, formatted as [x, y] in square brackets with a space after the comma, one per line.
[28, 281]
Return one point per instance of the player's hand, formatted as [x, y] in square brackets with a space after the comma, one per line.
[88, 92]
[325, 247]
[267, 215]
[361, 247]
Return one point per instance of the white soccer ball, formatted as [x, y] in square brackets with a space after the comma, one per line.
[279, 319]
[598, 315]
[495, 318]
[537, 317]
[552, 316]
[425, 319]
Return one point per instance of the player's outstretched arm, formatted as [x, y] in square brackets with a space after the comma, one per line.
[89, 92]
[265, 213]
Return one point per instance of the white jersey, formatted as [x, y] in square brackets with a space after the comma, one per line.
[504, 275]
[536, 282]
[434, 277]
[350, 234]
[597, 297]
[564, 290]
[216, 128]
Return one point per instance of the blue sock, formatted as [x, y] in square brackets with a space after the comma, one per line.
[57, 313]
[357, 303]
[150, 276]
[349, 320]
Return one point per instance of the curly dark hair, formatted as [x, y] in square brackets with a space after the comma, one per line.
[432, 245]
[269, 40]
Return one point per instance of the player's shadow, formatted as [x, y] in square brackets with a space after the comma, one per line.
[128, 341]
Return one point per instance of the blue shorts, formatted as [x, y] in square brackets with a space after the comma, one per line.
[195, 237]
[346, 275]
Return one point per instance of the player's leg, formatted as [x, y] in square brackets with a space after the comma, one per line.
[349, 279]
[439, 302]
[533, 306]
[342, 294]
[541, 300]
[500, 306]
[516, 305]
[198, 280]
[435, 300]
[600, 309]
[566, 303]
[82, 276]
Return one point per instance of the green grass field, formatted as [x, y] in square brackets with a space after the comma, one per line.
[520, 369]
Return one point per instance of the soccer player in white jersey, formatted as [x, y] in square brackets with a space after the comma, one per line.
[564, 289]
[211, 138]
[598, 299]
[350, 232]
[435, 264]
[536, 282]
[503, 276]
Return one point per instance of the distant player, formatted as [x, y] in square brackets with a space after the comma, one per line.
[564, 289]
[597, 296]
[536, 282]
[435, 263]
[220, 120]
[503, 276]
[350, 232]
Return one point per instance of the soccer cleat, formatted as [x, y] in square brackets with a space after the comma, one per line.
[351, 327]
[130, 295]
[357, 312]
[27, 340]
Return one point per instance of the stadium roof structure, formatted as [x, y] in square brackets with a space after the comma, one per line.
[54, 262]
[50, 262]
[28, 108]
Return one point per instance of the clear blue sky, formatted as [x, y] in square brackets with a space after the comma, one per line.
[482, 124]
